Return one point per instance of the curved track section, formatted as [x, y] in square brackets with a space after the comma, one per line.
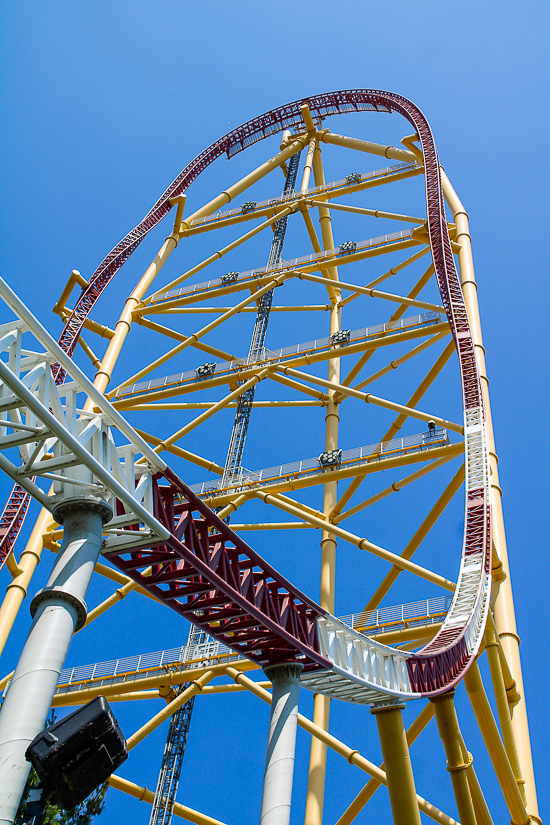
[207, 573]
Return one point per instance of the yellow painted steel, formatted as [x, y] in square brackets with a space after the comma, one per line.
[350, 755]
[404, 410]
[74, 278]
[321, 711]
[179, 336]
[397, 362]
[504, 612]
[392, 152]
[17, 588]
[361, 470]
[374, 293]
[363, 544]
[416, 290]
[492, 645]
[374, 213]
[393, 271]
[395, 488]
[148, 308]
[419, 536]
[457, 766]
[196, 336]
[511, 755]
[413, 732]
[397, 764]
[495, 748]
[402, 417]
[219, 405]
[191, 672]
[145, 795]
[247, 372]
[171, 708]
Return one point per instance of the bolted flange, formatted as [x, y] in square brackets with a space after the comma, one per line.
[93, 503]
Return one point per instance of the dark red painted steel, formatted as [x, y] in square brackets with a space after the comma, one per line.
[12, 520]
[210, 576]
[445, 659]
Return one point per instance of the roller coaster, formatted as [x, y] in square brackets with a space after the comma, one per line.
[177, 543]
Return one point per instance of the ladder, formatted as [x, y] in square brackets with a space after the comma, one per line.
[174, 750]
[242, 417]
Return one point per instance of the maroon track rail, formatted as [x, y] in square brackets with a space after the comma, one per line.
[211, 574]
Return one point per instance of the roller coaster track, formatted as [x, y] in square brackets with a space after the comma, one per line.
[208, 651]
[207, 574]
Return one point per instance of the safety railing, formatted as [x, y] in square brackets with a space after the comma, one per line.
[274, 356]
[191, 655]
[298, 469]
[309, 193]
[283, 266]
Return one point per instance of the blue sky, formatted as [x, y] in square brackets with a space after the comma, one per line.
[104, 104]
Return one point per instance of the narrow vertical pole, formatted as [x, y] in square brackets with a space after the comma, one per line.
[447, 724]
[281, 744]
[321, 709]
[58, 609]
[397, 763]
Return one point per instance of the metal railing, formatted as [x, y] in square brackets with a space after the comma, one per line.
[309, 466]
[269, 356]
[129, 668]
[283, 266]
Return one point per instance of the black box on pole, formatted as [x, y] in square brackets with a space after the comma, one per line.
[77, 754]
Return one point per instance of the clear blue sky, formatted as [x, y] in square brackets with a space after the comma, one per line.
[104, 103]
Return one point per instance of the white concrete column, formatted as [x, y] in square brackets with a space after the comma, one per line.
[58, 610]
[281, 744]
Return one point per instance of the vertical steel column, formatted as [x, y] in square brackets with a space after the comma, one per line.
[281, 744]
[495, 748]
[397, 763]
[58, 610]
[449, 732]
[321, 711]
[504, 611]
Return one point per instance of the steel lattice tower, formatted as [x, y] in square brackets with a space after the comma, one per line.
[174, 751]
[234, 458]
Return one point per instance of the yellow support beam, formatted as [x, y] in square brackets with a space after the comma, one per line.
[352, 756]
[374, 293]
[362, 544]
[449, 732]
[171, 708]
[171, 440]
[413, 732]
[397, 764]
[373, 213]
[504, 611]
[145, 795]
[321, 712]
[394, 488]
[375, 466]
[450, 491]
[495, 748]
[405, 411]
[416, 290]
